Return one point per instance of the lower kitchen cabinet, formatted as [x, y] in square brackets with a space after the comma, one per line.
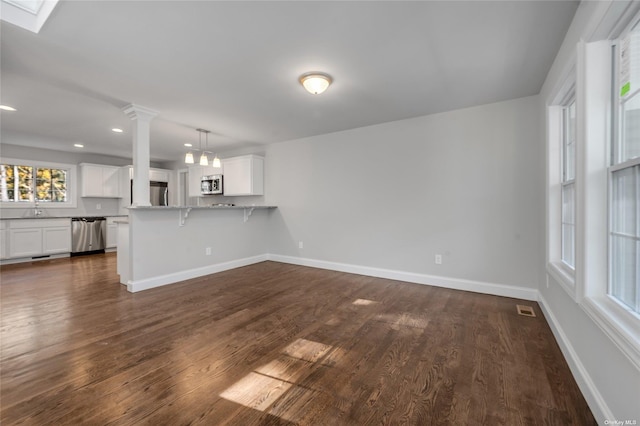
[25, 242]
[56, 240]
[112, 233]
[4, 252]
[37, 237]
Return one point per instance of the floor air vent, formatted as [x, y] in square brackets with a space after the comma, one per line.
[527, 311]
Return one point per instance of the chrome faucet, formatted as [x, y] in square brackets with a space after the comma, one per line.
[37, 210]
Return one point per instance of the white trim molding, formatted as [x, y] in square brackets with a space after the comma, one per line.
[412, 277]
[158, 281]
[594, 399]
[620, 324]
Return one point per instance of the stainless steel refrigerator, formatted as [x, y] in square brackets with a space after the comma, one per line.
[158, 191]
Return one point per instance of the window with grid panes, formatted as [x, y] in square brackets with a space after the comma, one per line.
[624, 177]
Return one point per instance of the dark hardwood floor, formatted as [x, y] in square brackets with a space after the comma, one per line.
[271, 344]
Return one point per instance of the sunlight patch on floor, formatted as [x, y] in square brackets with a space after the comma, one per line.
[256, 391]
[404, 320]
[364, 302]
[283, 368]
[306, 350]
[262, 387]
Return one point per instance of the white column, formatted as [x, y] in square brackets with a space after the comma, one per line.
[141, 118]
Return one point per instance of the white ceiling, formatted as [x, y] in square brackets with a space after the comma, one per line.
[233, 67]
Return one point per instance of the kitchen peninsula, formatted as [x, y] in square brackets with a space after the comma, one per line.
[163, 245]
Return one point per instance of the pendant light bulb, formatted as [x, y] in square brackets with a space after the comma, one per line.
[188, 159]
[216, 162]
[204, 161]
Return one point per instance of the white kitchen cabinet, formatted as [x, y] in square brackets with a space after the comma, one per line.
[56, 239]
[159, 175]
[195, 175]
[4, 235]
[111, 181]
[100, 181]
[38, 237]
[112, 233]
[243, 175]
[25, 242]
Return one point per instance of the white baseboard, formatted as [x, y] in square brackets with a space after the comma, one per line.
[452, 283]
[594, 399]
[147, 283]
[34, 259]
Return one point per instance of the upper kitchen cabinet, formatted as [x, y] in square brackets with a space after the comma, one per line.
[159, 175]
[126, 181]
[100, 181]
[243, 175]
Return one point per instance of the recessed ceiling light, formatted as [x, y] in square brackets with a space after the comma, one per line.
[7, 108]
[188, 145]
[78, 145]
[115, 129]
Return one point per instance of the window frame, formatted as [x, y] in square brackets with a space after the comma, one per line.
[71, 184]
[618, 163]
[570, 99]
[597, 71]
[565, 94]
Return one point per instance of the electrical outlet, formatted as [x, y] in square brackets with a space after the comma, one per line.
[207, 251]
[438, 259]
[98, 206]
[300, 244]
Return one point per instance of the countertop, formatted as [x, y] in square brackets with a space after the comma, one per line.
[214, 207]
[59, 217]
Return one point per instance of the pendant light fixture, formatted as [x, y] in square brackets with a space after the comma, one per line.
[204, 161]
[315, 82]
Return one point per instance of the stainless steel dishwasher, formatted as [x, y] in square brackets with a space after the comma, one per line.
[88, 235]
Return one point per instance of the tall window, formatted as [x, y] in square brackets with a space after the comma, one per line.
[569, 183]
[21, 184]
[624, 176]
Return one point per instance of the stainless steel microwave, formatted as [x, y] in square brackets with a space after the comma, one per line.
[211, 185]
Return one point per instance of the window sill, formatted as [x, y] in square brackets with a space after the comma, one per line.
[563, 275]
[620, 324]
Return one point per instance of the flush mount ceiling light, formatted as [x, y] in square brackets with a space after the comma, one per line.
[78, 145]
[315, 82]
[116, 130]
[7, 108]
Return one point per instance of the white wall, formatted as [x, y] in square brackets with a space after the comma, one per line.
[607, 378]
[165, 252]
[464, 184]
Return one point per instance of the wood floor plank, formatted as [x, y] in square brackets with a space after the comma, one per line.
[270, 344]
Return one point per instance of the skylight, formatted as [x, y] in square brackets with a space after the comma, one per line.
[28, 14]
[32, 6]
